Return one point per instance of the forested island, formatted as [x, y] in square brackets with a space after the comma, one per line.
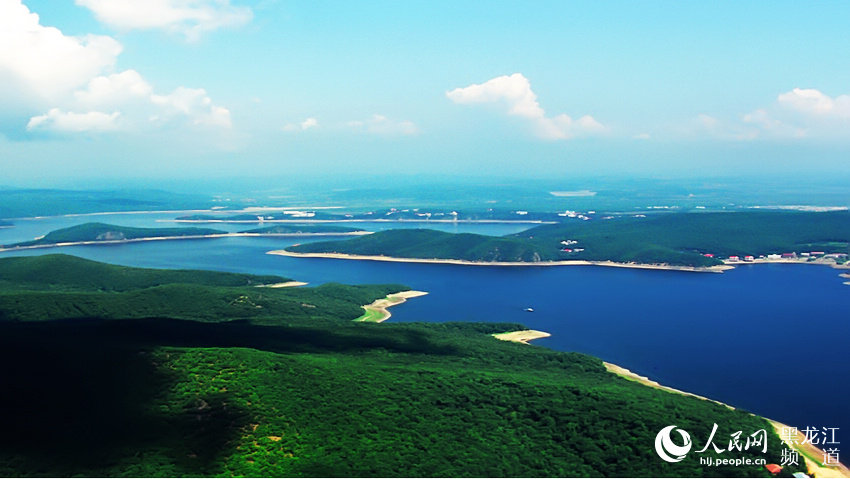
[94, 233]
[695, 240]
[117, 371]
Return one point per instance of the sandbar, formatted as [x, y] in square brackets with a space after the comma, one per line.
[708, 269]
[522, 336]
[377, 311]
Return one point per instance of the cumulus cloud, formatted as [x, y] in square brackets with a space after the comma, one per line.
[192, 104]
[796, 114]
[187, 17]
[801, 113]
[515, 93]
[381, 125]
[73, 79]
[41, 63]
[813, 102]
[59, 120]
[302, 126]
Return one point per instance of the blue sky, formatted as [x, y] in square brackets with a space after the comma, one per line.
[195, 88]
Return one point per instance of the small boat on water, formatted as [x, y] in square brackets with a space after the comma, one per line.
[529, 310]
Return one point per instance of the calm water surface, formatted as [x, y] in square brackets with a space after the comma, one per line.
[767, 338]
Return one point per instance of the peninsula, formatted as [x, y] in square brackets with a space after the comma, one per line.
[691, 241]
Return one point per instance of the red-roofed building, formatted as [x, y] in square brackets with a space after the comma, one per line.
[773, 468]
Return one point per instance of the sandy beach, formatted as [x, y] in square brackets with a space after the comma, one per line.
[812, 454]
[377, 311]
[712, 269]
[522, 336]
[620, 371]
[288, 284]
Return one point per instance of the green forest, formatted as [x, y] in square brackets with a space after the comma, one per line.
[116, 371]
[93, 232]
[105, 232]
[679, 239]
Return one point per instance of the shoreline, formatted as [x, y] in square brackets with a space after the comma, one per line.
[523, 336]
[288, 284]
[808, 452]
[246, 210]
[377, 312]
[632, 376]
[710, 269]
[821, 262]
[301, 220]
[172, 238]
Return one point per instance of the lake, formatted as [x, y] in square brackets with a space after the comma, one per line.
[766, 338]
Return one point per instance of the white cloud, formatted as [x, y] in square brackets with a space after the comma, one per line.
[796, 114]
[381, 125]
[191, 103]
[188, 17]
[800, 113]
[43, 64]
[118, 88]
[515, 93]
[301, 126]
[73, 79]
[813, 102]
[58, 120]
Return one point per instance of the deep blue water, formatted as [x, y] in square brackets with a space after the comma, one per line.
[767, 338]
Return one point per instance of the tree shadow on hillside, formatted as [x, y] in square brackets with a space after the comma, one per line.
[72, 405]
[77, 395]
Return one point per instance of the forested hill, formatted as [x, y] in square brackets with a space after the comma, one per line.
[212, 376]
[105, 232]
[427, 244]
[681, 239]
[59, 272]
